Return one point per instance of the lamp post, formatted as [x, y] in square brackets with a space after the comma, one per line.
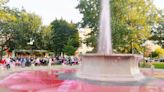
[31, 43]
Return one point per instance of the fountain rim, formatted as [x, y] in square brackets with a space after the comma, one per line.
[110, 55]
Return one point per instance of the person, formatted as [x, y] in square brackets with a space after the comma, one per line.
[75, 60]
[70, 60]
[8, 62]
[17, 62]
[24, 61]
[50, 62]
[64, 60]
[37, 61]
[28, 62]
[3, 61]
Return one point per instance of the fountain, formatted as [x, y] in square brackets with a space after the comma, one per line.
[105, 66]
[100, 72]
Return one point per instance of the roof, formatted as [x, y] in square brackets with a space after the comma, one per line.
[30, 50]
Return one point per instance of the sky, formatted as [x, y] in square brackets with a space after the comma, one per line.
[49, 10]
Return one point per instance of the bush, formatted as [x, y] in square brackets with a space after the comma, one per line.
[154, 54]
[159, 52]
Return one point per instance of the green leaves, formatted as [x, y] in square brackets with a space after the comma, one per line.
[65, 37]
[26, 28]
[158, 31]
[70, 47]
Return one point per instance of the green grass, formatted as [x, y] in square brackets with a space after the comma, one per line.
[158, 65]
[144, 64]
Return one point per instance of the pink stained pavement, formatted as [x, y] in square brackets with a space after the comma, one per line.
[48, 81]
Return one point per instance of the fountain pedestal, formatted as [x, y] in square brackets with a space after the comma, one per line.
[113, 67]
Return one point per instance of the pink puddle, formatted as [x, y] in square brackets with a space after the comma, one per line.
[48, 81]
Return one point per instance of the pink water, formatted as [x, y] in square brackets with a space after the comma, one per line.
[48, 81]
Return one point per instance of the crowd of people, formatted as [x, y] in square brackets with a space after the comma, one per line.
[24, 61]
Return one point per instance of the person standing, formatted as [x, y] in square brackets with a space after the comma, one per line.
[8, 61]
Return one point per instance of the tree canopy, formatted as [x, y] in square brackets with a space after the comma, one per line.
[158, 30]
[7, 21]
[17, 28]
[64, 36]
[27, 28]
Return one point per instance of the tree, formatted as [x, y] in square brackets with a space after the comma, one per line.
[7, 20]
[45, 37]
[62, 33]
[139, 22]
[69, 49]
[90, 10]
[131, 22]
[158, 30]
[17, 28]
[27, 28]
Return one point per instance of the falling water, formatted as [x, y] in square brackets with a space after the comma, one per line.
[105, 43]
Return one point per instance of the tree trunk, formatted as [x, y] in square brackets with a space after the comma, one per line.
[1, 53]
[131, 49]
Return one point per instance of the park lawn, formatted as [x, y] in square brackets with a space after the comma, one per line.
[159, 65]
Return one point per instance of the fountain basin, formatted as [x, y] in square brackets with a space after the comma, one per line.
[112, 67]
[64, 80]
